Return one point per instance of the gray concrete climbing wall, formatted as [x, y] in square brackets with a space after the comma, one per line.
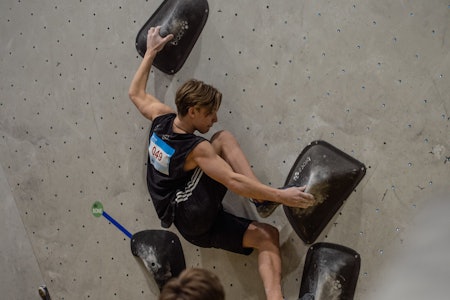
[369, 77]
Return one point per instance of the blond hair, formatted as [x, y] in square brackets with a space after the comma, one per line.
[196, 93]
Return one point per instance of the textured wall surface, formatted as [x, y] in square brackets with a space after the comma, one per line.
[369, 77]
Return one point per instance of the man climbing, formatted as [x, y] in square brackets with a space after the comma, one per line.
[188, 176]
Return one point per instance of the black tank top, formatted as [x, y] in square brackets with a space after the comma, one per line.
[166, 179]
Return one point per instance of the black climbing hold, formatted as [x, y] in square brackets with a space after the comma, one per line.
[330, 175]
[184, 19]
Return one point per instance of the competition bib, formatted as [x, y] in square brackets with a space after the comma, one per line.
[160, 154]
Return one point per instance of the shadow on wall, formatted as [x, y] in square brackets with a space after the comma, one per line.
[421, 268]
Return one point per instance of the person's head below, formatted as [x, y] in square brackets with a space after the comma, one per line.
[198, 100]
[193, 284]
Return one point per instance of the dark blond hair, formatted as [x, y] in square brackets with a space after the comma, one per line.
[196, 93]
[193, 284]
